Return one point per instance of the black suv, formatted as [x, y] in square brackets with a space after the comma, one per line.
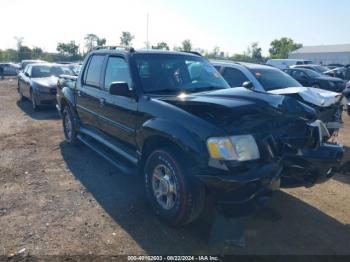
[172, 118]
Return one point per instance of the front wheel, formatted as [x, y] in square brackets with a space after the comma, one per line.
[176, 197]
[20, 95]
[70, 134]
[35, 106]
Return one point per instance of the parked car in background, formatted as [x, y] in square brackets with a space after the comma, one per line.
[9, 69]
[317, 68]
[338, 72]
[274, 81]
[332, 66]
[286, 63]
[38, 82]
[24, 63]
[346, 94]
[308, 77]
[76, 67]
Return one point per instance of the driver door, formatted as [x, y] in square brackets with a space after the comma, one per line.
[117, 113]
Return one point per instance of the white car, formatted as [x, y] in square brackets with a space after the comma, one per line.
[262, 78]
[286, 63]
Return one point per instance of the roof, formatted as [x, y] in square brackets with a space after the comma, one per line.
[323, 49]
[47, 64]
[143, 51]
[247, 65]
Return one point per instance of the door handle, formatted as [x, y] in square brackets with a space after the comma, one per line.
[102, 101]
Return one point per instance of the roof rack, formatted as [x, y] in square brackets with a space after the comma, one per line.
[114, 47]
[193, 52]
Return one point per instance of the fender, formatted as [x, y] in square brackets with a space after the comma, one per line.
[188, 141]
[69, 95]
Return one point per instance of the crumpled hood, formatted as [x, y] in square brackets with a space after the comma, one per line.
[316, 96]
[238, 106]
[50, 81]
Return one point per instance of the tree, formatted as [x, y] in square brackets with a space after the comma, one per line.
[161, 46]
[19, 41]
[255, 52]
[126, 38]
[90, 41]
[24, 52]
[280, 48]
[37, 52]
[68, 49]
[186, 45]
[101, 41]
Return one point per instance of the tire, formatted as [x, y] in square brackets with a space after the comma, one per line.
[21, 97]
[70, 134]
[175, 196]
[35, 106]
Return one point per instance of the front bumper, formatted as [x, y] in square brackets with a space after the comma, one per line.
[310, 167]
[239, 188]
[43, 98]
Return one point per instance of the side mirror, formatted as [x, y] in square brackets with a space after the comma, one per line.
[26, 74]
[248, 85]
[119, 89]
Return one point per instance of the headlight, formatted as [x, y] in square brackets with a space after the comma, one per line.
[239, 148]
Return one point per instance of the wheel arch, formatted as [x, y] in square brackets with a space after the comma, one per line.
[165, 134]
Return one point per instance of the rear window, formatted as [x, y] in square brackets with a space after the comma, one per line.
[93, 73]
[274, 79]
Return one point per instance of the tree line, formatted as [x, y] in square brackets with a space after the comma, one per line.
[70, 51]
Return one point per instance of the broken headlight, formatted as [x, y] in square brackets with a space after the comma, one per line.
[238, 148]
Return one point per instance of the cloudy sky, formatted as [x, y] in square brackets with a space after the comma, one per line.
[230, 24]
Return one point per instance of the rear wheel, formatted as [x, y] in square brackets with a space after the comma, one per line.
[176, 197]
[69, 131]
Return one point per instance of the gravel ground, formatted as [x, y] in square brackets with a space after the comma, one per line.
[57, 199]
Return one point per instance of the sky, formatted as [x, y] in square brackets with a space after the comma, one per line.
[230, 24]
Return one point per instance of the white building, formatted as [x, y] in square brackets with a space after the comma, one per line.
[325, 54]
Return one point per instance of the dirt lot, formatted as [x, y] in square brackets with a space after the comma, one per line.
[59, 199]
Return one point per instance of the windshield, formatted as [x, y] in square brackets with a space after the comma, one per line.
[47, 70]
[272, 79]
[312, 73]
[321, 69]
[172, 74]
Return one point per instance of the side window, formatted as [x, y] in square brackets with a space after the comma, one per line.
[298, 74]
[28, 70]
[218, 68]
[116, 71]
[93, 73]
[234, 77]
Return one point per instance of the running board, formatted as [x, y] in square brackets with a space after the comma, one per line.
[109, 156]
[105, 142]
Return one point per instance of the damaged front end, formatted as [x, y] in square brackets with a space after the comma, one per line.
[308, 158]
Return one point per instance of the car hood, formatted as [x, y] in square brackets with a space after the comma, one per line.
[46, 81]
[329, 78]
[315, 96]
[234, 107]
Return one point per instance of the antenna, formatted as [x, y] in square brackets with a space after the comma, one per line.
[147, 30]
